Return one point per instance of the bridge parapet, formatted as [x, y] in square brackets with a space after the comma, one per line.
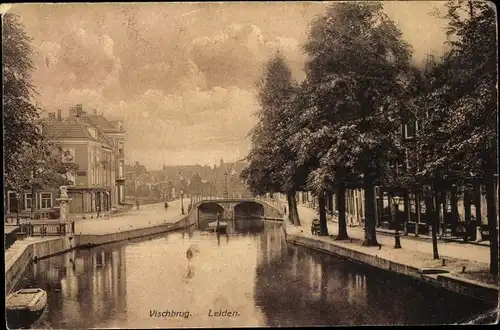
[271, 208]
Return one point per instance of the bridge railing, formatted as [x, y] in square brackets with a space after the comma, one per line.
[275, 202]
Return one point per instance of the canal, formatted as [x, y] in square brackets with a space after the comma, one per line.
[250, 272]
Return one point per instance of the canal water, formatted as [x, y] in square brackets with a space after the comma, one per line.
[247, 277]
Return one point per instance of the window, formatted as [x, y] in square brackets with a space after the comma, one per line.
[411, 129]
[93, 132]
[68, 155]
[46, 200]
[28, 200]
[120, 148]
[70, 176]
[120, 169]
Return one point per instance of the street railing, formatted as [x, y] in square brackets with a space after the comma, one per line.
[44, 229]
[10, 236]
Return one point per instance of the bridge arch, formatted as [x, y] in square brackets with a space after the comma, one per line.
[207, 212]
[249, 209]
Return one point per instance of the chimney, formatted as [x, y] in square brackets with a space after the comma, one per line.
[59, 114]
[79, 110]
[94, 111]
[52, 116]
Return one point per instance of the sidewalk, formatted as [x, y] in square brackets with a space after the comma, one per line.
[415, 252]
[411, 235]
[147, 216]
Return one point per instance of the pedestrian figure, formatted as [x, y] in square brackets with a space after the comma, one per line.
[98, 211]
[166, 205]
[137, 203]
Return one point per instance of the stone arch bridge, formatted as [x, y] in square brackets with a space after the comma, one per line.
[234, 208]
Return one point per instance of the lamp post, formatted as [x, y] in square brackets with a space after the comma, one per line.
[225, 182]
[182, 201]
[18, 197]
[397, 240]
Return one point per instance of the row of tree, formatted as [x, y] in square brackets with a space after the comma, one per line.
[31, 160]
[341, 127]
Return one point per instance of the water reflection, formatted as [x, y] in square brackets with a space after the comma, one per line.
[251, 270]
[82, 285]
[299, 287]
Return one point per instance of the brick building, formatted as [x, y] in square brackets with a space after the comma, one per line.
[96, 145]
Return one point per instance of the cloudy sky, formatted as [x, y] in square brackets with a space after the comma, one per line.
[181, 75]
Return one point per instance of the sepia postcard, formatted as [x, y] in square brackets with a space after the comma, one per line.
[250, 164]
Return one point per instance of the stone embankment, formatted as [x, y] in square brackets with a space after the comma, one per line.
[457, 271]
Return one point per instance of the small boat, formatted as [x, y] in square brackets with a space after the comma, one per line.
[218, 226]
[25, 306]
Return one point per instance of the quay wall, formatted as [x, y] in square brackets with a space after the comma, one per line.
[26, 252]
[481, 291]
[86, 241]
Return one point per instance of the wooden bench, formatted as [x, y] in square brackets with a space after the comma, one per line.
[423, 229]
[385, 225]
[485, 233]
[460, 231]
[447, 231]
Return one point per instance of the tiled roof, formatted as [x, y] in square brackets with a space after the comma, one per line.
[101, 137]
[102, 123]
[85, 121]
[67, 130]
[73, 129]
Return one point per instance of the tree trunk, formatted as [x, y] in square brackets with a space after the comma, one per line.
[289, 202]
[477, 203]
[323, 228]
[417, 210]
[407, 211]
[293, 214]
[330, 202]
[441, 206]
[33, 202]
[380, 207]
[492, 222]
[390, 209]
[434, 212]
[467, 215]
[370, 229]
[294, 211]
[454, 207]
[342, 235]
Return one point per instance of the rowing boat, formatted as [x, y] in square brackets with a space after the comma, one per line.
[25, 306]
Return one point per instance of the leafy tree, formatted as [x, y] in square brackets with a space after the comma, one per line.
[357, 56]
[19, 112]
[464, 116]
[273, 166]
[44, 167]
[196, 185]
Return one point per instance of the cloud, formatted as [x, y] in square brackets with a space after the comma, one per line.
[196, 120]
[235, 56]
[79, 67]
[181, 74]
